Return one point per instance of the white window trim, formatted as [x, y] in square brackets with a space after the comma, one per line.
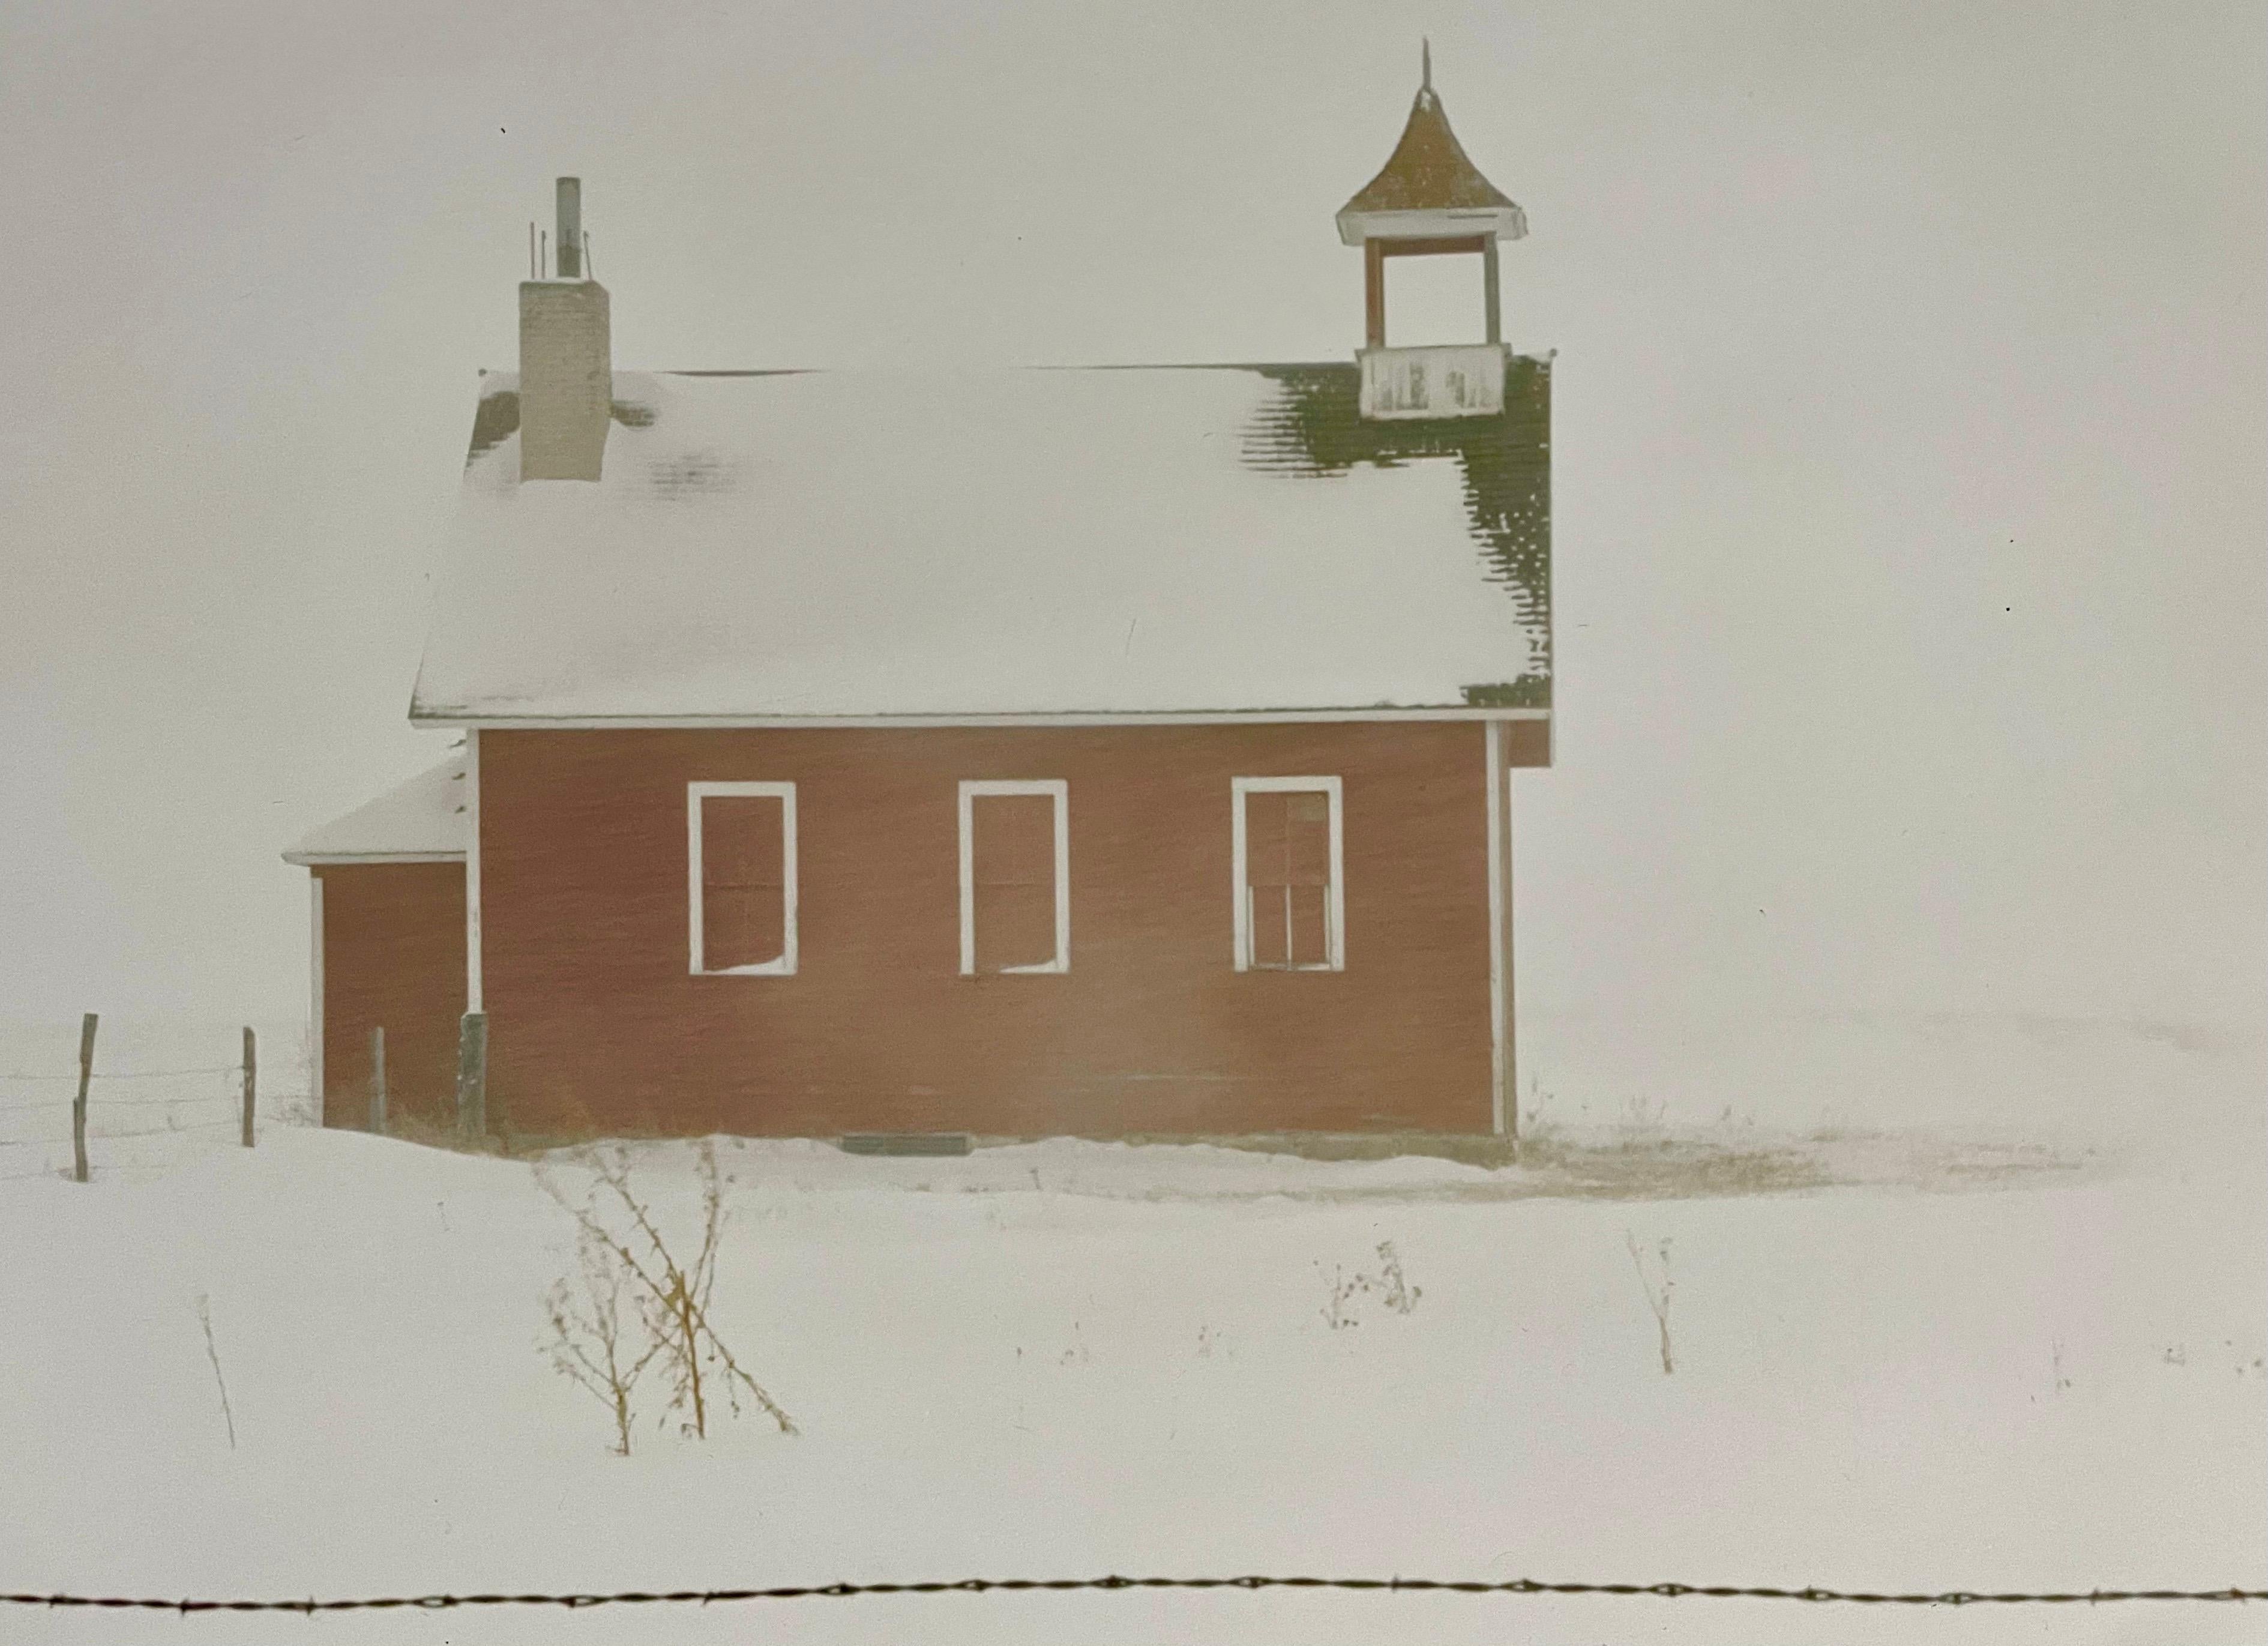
[315, 992]
[472, 984]
[1335, 933]
[1502, 1091]
[970, 789]
[784, 792]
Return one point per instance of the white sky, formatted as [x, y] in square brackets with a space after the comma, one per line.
[1912, 407]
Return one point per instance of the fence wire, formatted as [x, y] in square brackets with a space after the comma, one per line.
[1025, 1585]
[99, 1103]
[133, 1075]
[156, 1103]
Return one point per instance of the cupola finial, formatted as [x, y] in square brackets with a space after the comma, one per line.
[1425, 64]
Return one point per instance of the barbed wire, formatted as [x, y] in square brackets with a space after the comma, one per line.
[93, 1109]
[155, 1075]
[152, 1102]
[181, 1130]
[1015, 1585]
[162, 1130]
[186, 1130]
[27, 1104]
[130, 1074]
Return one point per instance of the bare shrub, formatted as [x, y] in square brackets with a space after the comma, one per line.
[1389, 1285]
[1642, 1118]
[1393, 1291]
[671, 1297]
[1539, 1127]
[1657, 1292]
[591, 1344]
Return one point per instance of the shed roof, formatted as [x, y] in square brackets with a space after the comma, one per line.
[808, 546]
[421, 821]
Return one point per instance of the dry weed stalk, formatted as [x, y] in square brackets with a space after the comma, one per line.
[1393, 1290]
[672, 1296]
[588, 1345]
[1657, 1297]
[212, 1354]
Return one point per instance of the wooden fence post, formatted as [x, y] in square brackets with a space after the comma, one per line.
[78, 1103]
[378, 1081]
[251, 1064]
[473, 1074]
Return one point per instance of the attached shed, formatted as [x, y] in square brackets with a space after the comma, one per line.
[386, 946]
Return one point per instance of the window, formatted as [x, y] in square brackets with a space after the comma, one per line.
[1015, 877]
[741, 846]
[1291, 904]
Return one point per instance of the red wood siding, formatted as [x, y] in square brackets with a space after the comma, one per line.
[393, 955]
[596, 1024]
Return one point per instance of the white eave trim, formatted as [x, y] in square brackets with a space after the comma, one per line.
[1506, 223]
[894, 722]
[315, 859]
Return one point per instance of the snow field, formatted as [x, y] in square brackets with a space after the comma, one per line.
[1067, 1359]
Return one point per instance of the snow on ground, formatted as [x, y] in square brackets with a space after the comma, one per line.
[1071, 1359]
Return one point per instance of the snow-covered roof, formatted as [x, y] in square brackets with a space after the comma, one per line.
[418, 822]
[1111, 541]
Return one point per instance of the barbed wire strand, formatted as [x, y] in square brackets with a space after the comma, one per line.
[132, 1075]
[154, 1074]
[184, 1130]
[1010, 1586]
[162, 1131]
[150, 1102]
[64, 1104]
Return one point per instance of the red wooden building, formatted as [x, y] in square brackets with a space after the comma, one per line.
[1104, 751]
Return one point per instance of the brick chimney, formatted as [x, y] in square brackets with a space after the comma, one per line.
[566, 360]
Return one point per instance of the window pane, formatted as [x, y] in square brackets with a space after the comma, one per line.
[1015, 926]
[741, 842]
[1264, 829]
[1307, 840]
[743, 926]
[1014, 840]
[1309, 907]
[1272, 937]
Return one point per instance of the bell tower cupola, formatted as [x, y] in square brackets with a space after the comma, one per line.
[1430, 200]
